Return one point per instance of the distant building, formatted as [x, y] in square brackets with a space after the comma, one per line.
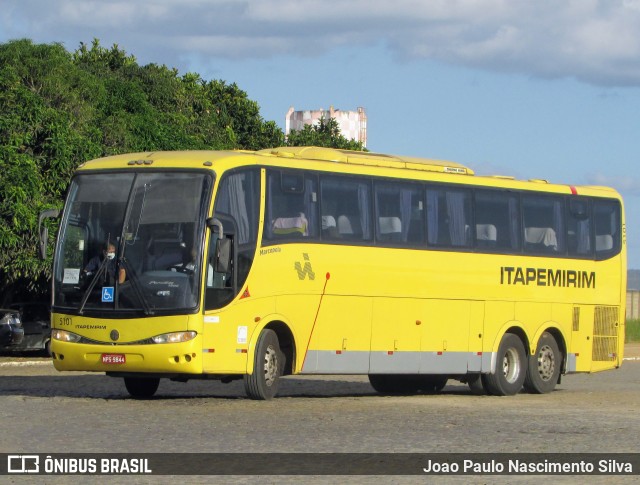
[353, 124]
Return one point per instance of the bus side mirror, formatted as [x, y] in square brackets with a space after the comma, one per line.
[223, 255]
[223, 247]
[43, 231]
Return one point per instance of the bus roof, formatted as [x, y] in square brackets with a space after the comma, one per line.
[367, 158]
[209, 159]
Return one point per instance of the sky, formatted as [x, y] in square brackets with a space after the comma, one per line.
[545, 89]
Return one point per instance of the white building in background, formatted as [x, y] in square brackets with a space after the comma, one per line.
[353, 124]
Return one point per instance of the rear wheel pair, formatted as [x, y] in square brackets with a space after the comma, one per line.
[538, 373]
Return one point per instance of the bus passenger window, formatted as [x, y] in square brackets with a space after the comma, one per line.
[347, 202]
[579, 228]
[497, 220]
[399, 213]
[543, 224]
[448, 217]
[291, 211]
[606, 216]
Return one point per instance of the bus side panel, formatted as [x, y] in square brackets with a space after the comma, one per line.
[298, 312]
[396, 334]
[341, 338]
[227, 334]
[497, 314]
[580, 348]
[445, 337]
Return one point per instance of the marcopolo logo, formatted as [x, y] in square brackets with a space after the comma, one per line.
[306, 270]
[23, 464]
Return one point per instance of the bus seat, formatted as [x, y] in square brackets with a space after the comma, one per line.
[543, 237]
[604, 242]
[486, 235]
[348, 226]
[390, 228]
[165, 253]
[328, 222]
[329, 226]
[291, 226]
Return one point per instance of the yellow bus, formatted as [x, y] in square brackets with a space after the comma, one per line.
[255, 265]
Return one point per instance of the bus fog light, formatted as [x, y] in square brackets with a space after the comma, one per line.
[65, 336]
[174, 337]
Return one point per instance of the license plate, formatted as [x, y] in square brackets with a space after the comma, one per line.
[113, 359]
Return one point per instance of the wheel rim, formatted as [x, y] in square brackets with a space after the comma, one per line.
[270, 366]
[546, 363]
[511, 366]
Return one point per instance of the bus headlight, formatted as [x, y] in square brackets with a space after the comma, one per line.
[174, 337]
[65, 336]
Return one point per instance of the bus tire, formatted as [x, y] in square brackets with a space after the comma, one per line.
[141, 387]
[268, 366]
[544, 366]
[474, 381]
[433, 383]
[511, 368]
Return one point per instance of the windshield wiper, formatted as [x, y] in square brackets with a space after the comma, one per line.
[136, 287]
[92, 284]
[133, 277]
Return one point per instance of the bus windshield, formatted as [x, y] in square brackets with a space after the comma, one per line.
[132, 242]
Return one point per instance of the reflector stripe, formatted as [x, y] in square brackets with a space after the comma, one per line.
[573, 190]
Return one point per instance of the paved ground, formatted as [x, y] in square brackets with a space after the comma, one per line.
[49, 412]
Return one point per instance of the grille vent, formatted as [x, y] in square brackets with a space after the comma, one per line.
[605, 333]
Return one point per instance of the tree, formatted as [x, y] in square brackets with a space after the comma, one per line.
[59, 109]
[325, 134]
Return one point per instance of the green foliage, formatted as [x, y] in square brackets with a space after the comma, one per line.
[632, 331]
[59, 109]
[325, 134]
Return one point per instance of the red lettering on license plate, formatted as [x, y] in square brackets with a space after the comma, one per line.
[113, 359]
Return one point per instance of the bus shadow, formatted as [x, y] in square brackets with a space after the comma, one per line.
[103, 387]
[109, 388]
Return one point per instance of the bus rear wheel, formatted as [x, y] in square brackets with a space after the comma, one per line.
[474, 381]
[141, 387]
[511, 368]
[268, 366]
[544, 366]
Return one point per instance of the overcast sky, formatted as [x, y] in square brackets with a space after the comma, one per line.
[537, 89]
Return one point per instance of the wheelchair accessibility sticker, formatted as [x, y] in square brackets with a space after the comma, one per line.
[107, 294]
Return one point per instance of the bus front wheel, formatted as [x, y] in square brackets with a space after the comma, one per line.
[141, 387]
[511, 368]
[544, 366]
[268, 366]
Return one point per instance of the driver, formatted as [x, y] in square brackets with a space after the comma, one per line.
[109, 253]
